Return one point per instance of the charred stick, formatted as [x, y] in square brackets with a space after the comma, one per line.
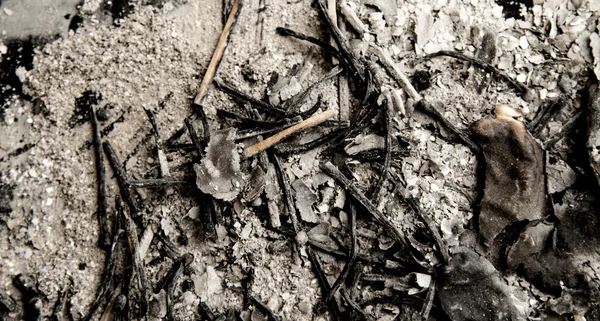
[284, 183]
[108, 313]
[218, 54]
[258, 104]
[205, 311]
[264, 308]
[134, 245]
[170, 248]
[330, 138]
[186, 147]
[297, 99]
[387, 117]
[567, 127]
[199, 109]
[104, 235]
[107, 283]
[243, 135]
[343, 45]
[414, 204]
[255, 122]
[353, 255]
[429, 299]
[354, 305]
[325, 287]
[543, 116]
[307, 123]
[432, 229]
[309, 112]
[122, 179]
[525, 91]
[347, 185]
[199, 144]
[247, 284]
[162, 157]
[396, 73]
[176, 135]
[161, 182]
[32, 299]
[427, 107]
[327, 47]
[181, 263]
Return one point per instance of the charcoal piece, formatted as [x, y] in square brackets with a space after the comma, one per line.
[515, 188]
[219, 172]
[470, 288]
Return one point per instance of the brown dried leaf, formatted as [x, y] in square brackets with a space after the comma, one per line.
[515, 188]
[471, 289]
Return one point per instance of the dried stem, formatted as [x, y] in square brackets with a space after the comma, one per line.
[218, 54]
[307, 123]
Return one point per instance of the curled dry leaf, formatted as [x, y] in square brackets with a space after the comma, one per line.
[219, 172]
[471, 289]
[515, 188]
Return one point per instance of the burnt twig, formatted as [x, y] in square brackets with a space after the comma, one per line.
[325, 287]
[354, 305]
[162, 157]
[427, 107]
[264, 308]
[104, 235]
[387, 116]
[173, 275]
[122, 179]
[134, 245]
[335, 173]
[161, 182]
[287, 192]
[567, 127]
[258, 104]
[525, 91]
[107, 283]
[543, 116]
[353, 255]
[429, 299]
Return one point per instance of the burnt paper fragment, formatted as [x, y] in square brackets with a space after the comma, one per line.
[471, 290]
[515, 188]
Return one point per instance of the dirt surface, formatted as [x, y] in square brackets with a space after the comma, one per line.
[153, 54]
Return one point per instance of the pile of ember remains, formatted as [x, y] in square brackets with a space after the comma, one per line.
[370, 199]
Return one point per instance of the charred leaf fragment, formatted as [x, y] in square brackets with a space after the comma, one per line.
[593, 127]
[219, 172]
[471, 289]
[515, 189]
